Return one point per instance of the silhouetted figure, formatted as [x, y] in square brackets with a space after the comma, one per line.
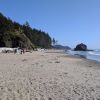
[21, 52]
[15, 51]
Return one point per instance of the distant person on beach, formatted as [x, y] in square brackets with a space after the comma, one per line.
[15, 51]
[22, 51]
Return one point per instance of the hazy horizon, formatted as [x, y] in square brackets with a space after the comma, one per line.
[70, 22]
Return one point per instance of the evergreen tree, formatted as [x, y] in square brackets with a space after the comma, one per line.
[13, 34]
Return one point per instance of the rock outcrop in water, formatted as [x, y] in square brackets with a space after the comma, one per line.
[81, 47]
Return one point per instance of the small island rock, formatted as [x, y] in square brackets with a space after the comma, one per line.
[81, 47]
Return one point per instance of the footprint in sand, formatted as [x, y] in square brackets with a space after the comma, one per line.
[24, 60]
[43, 98]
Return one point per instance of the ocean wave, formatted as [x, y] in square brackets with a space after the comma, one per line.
[94, 53]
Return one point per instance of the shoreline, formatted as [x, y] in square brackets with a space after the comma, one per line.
[48, 75]
[81, 55]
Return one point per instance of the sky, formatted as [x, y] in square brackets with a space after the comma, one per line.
[70, 22]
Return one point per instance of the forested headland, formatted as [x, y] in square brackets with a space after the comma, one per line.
[13, 34]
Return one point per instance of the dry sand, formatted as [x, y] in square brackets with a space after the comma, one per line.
[48, 75]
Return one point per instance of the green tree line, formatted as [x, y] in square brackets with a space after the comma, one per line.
[13, 34]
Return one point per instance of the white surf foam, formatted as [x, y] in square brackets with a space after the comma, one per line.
[94, 53]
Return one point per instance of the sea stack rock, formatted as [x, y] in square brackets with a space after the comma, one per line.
[81, 47]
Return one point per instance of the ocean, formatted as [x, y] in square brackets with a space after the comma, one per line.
[92, 55]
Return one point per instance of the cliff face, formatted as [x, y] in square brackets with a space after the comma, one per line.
[81, 47]
[13, 34]
[15, 39]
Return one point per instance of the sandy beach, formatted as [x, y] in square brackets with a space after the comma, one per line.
[48, 75]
